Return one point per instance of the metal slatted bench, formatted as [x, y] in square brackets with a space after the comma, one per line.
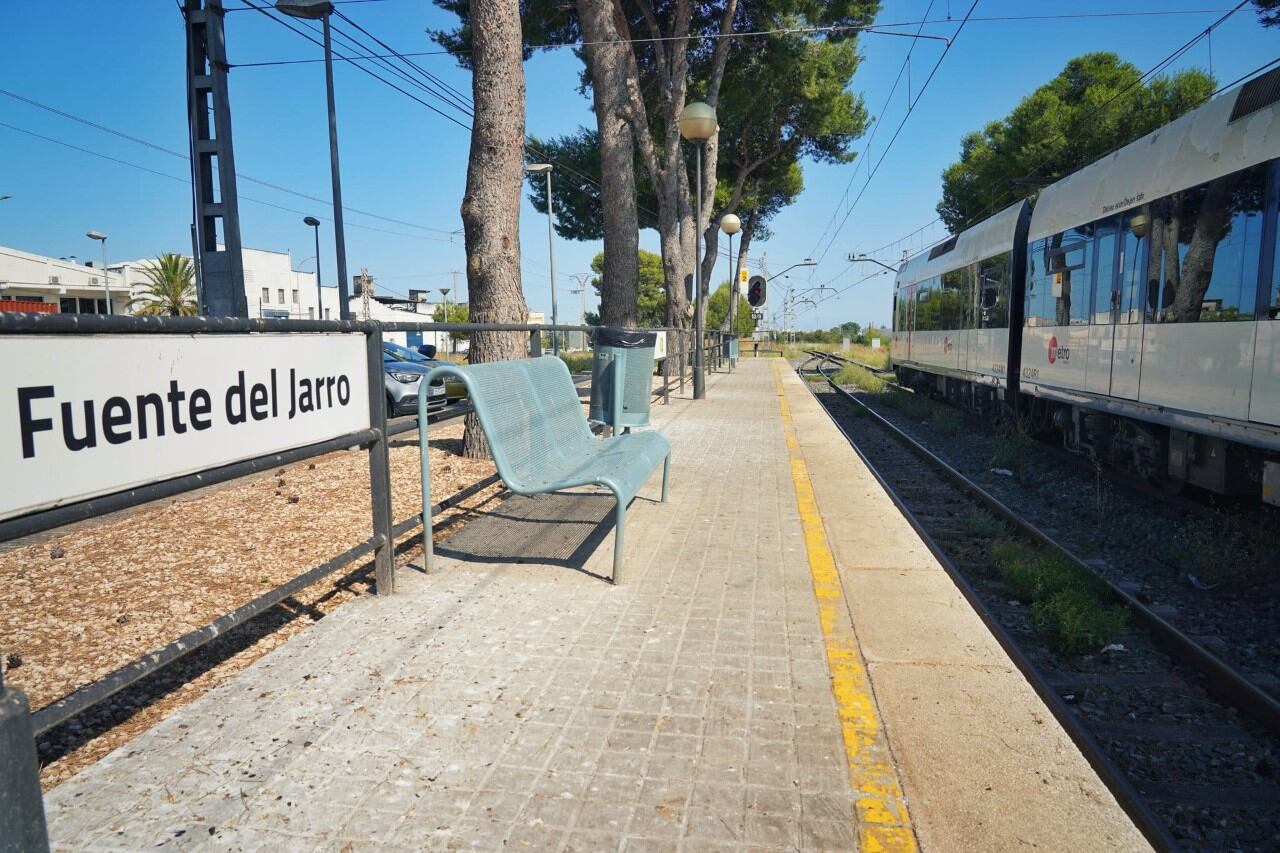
[540, 441]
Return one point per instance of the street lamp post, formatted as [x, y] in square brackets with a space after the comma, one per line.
[540, 169]
[106, 282]
[444, 294]
[730, 224]
[321, 10]
[698, 124]
[315, 226]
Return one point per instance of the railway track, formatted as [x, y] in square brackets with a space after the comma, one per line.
[1187, 744]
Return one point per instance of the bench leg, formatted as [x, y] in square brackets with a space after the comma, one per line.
[617, 541]
[666, 473]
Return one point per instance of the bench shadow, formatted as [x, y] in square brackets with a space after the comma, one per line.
[555, 529]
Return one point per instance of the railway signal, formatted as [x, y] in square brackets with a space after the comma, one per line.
[755, 291]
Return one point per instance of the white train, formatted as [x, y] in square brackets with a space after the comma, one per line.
[1136, 308]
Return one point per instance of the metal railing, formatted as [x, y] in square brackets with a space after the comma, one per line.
[20, 799]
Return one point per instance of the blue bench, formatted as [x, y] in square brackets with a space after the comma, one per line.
[540, 441]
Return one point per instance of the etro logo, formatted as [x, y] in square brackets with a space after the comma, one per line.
[1056, 352]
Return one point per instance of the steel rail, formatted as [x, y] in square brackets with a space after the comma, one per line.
[1225, 681]
[1133, 804]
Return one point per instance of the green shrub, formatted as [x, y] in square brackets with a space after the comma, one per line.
[578, 362]
[946, 420]
[1075, 621]
[981, 523]
[1068, 605]
[1011, 446]
[1224, 549]
[860, 378]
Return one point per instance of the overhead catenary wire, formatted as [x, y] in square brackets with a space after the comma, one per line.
[187, 182]
[186, 158]
[910, 109]
[1007, 198]
[874, 29]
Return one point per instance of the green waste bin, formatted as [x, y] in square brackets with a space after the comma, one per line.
[621, 376]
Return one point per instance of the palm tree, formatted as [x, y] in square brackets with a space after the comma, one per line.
[170, 287]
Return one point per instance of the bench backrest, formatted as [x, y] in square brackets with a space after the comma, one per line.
[531, 415]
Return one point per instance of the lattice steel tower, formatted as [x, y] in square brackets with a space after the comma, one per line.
[219, 261]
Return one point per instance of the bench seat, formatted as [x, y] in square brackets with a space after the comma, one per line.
[541, 442]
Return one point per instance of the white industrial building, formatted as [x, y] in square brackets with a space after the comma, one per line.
[273, 289]
[34, 283]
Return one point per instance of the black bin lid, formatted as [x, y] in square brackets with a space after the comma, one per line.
[616, 336]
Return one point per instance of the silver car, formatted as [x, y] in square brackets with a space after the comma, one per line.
[402, 380]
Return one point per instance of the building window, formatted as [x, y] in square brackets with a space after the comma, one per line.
[280, 292]
[326, 313]
[266, 294]
[295, 297]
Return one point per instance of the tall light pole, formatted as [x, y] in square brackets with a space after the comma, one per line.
[106, 282]
[545, 169]
[731, 224]
[444, 294]
[698, 124]
[313, 10]
[315, 226]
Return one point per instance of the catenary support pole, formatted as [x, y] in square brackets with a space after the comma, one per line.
[339, 234]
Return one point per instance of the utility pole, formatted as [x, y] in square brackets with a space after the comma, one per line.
[366, 292]
[221, 268]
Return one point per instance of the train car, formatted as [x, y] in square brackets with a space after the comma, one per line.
[1151, 319]
[958, 313]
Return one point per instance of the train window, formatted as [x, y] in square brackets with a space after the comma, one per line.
[1069, 260]
[1039, 307]
[1059, 273]
[1133, 266]
[953, 297]
[993, 293]
[1205, 249]
[1105, 296]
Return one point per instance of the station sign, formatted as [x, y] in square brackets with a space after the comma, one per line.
[88, 415]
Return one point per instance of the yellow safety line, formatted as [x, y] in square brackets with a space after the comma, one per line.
[883, 821]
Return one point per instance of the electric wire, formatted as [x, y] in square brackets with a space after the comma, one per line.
[186, 158]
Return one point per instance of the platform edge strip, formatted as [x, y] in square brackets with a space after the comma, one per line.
[883, 819]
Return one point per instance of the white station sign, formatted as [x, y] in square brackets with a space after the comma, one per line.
[87, 415]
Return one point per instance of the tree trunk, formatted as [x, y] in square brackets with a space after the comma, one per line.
[495, 176]
[607, 62]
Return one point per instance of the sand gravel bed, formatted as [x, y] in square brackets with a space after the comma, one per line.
[87, 599]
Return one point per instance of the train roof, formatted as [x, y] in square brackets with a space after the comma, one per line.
[991, 236]
[1234, 131]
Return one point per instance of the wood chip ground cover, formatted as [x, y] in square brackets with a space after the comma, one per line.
[84, 600]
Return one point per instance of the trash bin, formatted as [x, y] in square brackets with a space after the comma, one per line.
[621, 376]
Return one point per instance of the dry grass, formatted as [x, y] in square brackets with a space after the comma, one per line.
[84, 600]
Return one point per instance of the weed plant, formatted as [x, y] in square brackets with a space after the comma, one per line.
[577, 362]
[983, 524]
[1068, 605]
[1012, 446]
[860, 378]
[946, 420]
[1225, 550]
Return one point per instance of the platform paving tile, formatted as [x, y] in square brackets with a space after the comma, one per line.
[493, 706]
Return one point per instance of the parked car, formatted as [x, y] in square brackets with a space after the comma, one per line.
[454, 388]
[402, 379]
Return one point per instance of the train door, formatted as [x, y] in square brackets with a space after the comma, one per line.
[1106, 308]
[1126, 358]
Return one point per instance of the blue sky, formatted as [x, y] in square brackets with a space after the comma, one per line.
[123, 69]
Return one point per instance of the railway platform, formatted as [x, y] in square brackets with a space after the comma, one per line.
[785, 666]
